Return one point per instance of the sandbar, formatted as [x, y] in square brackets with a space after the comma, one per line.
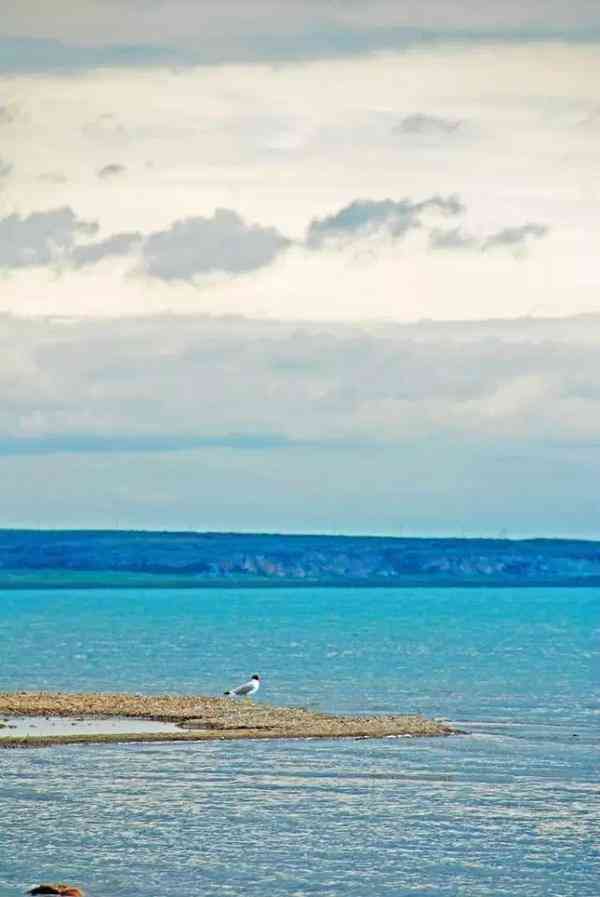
[198, 718]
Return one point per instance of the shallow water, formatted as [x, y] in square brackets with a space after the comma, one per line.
[43, 726]
[511, 809]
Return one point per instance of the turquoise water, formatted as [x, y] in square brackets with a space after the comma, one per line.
[513, 808]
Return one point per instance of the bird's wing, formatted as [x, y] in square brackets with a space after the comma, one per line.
[244, 689]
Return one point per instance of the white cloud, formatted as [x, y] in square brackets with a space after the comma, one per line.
[452, 238]
[286, 149]
[421, 125]
[245, 424]
[300, 424]
[515, 237]
[7, 114]
[364, 217]
[232, 423]
[205, 252]
[115, 245]
[199, 245]
[111, 170]
[52, 238]
[176, 382]
[40, 238]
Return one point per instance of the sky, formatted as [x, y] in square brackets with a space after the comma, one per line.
[301, 266]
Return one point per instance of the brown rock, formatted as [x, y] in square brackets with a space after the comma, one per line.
[61, 889]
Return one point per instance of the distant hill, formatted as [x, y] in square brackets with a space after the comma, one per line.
[105, 557]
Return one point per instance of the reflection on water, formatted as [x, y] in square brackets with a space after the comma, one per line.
[397, 816]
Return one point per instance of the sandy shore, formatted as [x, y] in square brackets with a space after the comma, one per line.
[202, 718]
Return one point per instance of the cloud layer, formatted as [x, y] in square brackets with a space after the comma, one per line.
[95, 34]
[439, 161]
[226, 244]
[334, 182]
[237, 424]
[180, 381]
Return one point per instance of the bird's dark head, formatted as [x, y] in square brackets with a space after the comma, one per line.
[257, 677]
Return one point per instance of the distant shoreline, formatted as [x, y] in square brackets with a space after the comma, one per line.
[86, 559]
[22, 580]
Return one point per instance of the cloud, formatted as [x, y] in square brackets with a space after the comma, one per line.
[45, 238]
[330, 132]
[53, 177]
[8, 114]
[512, 238]
[421, 125]
[106, 127]
[365, 217]
[200, 245]
[590, 122]
[21, 55]
[225, 244]
[262, 424]
[451, 238]
[117, 244]
[515, 237]
[40, 238]
[254, 384]
[112, 170]
[197, 245]
[95, 34]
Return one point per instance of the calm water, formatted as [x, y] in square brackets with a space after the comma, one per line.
[511, 809]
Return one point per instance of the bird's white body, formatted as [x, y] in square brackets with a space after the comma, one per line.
[247, 689]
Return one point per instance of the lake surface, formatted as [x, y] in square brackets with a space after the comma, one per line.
[511, 809]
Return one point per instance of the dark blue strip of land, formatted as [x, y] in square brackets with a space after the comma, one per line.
[92, 558]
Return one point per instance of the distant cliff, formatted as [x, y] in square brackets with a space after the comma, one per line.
[120, 557]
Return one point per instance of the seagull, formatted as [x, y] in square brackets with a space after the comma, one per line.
[245, 690]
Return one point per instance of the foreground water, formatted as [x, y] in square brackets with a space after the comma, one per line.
[511, 809]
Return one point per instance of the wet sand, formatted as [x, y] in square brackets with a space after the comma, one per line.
[199, 718]
[50, 726]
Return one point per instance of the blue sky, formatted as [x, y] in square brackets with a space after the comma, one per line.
[300, 266]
